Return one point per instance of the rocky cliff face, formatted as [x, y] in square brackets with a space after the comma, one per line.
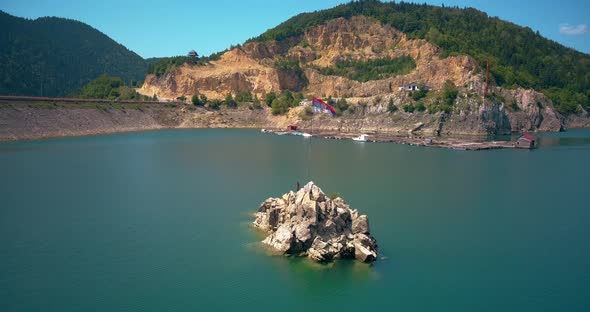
[531, 110]
[252, 68]
[509, 111]
[235, 72]
[309, 223]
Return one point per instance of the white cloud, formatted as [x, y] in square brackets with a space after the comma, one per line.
[568, 29]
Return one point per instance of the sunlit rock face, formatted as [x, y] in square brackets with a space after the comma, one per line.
[255, 68]
[308, 223]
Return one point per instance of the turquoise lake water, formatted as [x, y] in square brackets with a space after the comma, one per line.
[159, 221]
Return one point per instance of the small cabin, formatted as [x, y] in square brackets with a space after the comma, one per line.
[411, 87]
[192, 54]
[526, 141]
[292, 128]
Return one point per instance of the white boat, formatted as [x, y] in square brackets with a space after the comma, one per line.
[280, 133]
[361, 138]
[306, 135]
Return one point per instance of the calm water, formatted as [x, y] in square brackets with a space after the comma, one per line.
[158, 221]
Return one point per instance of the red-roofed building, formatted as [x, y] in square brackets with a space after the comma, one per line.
[319, 106]
[526, 141]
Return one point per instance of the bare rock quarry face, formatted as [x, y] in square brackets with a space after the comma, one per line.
[309, 223]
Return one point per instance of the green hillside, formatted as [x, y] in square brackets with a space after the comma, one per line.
[55, 56]
[517, 55]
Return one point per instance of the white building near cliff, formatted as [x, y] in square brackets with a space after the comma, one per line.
[410, 87]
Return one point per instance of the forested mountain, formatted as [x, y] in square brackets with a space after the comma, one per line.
[517, 55]
[55, 56]
[52, 56]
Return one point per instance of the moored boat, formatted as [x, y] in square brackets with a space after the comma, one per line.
[361, 138]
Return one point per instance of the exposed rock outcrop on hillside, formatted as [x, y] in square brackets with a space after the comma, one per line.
[252, 68]
[307, 222]
[531, 111]
[234, 72]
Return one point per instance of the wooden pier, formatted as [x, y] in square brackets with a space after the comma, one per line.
[463, 144]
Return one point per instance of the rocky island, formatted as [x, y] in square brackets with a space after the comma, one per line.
[309, 223]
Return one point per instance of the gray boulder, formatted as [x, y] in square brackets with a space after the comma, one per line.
[309, 223]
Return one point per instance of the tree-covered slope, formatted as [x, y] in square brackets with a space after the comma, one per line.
[55, 57]
[517, 55]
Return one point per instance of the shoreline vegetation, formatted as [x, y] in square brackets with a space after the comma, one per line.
[28, 118]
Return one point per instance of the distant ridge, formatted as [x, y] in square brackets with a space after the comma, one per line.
[52, 56]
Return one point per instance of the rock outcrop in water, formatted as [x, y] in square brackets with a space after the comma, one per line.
[309, 223]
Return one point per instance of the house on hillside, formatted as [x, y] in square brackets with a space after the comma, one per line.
[526, 141]
[411, 87]
[193, 54]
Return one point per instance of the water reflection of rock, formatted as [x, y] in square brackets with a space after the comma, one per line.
[338, 278]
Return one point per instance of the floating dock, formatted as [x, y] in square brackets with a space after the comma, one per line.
[440, 142]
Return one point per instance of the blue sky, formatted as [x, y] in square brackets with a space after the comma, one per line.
[173, 27]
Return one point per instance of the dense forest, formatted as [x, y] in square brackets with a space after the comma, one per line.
[163, 65]
[55, 56]
[370, 70]
[517, 55]
[107, 87]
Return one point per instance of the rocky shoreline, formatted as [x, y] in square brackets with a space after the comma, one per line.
[474, 143]
[54, 119]
[50, 119]
[309, 223]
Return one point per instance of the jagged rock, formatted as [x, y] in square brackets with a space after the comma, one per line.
[362, 248]
[309, 223]
[530, 110]
[360, 225]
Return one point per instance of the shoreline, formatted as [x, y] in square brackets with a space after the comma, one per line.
[38, 120]
[473, 143]
[80, 135]
[447, 142]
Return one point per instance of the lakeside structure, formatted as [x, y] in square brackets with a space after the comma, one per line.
[412, 87]
[526, 141]
[193, 54]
